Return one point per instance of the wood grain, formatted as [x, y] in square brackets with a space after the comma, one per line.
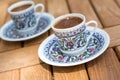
[108, 12]
[118, 52]
[6, 46]
[118, 2]
[41, 1]
[10, 2]
[24, 64]
[19, 58]
[57, 8]
[83, 7]
[70, 73]
[37, 72]
[4, 4]
[114, 35]
[36, 40]
[10, 75]
[105, 67]
[3, 12]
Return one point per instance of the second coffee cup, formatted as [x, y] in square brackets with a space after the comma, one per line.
[23, 15]
[70, 32]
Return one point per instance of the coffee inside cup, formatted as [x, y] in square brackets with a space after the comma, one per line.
[22, 7]
[68, 22]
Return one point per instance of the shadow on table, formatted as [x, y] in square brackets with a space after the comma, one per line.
[68, 69]
[72, 69]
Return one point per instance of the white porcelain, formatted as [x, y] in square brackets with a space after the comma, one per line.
[8, 32]
[68, 38]
[49, 52]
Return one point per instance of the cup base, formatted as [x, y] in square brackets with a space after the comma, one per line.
[76, 52]
[27, 31]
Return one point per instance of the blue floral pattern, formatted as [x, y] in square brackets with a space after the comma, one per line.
[53, 53]
[13, 34]
[25, 20]
[71, 43]
[72, 39]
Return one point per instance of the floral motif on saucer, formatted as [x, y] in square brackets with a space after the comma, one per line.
[53, 53]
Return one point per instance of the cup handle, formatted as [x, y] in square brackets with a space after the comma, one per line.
[40, 12]
[92, 32]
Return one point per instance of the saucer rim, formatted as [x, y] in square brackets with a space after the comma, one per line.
[50, 16]
[44, 59]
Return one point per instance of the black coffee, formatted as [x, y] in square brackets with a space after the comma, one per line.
[21, 7]
[68, 22]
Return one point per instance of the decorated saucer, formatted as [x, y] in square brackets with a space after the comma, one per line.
[49, 51]
[9, 33]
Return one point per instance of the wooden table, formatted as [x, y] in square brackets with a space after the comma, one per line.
[19, 60]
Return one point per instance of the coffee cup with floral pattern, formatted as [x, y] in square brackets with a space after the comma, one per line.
[74, 40]
[25, 20]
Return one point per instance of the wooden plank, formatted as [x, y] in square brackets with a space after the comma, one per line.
[4, 4]
[39, 39]
[5, 46]
[22, 57]
[118, 2]
[105, 67]
[40, 1]
[108, 12]
[70, 73]
[36, 40]
[10, 75]
[57, 8]
[118, 52]
[10, 2]
[83, 7]
[114, 35]
[37, 72]
[3, 12]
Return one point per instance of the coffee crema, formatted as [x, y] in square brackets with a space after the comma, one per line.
[68, 22]
[20, 8]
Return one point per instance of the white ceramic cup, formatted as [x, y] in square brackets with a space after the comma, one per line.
[25, 20]
[73, 41]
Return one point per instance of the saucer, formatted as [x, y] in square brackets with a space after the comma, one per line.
[9, 33]
[49, 51]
